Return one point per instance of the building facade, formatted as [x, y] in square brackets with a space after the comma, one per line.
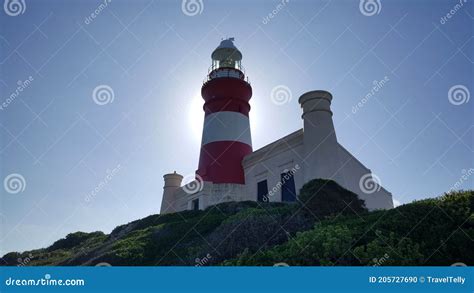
[229, 169]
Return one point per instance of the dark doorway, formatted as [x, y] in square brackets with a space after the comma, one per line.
[288, 192]
[195, 204]
[262, 191]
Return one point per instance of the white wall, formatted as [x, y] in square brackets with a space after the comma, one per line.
[269, 162]
[354, 172]
[210, 194]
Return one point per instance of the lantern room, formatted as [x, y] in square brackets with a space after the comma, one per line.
[226, 61]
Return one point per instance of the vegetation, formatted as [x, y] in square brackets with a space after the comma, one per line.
[323, 198]
[329, 226]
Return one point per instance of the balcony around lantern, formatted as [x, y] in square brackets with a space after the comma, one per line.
[221, 69]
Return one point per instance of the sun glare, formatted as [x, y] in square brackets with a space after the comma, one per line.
[196, 117]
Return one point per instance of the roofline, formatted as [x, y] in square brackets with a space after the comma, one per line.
[290, 138]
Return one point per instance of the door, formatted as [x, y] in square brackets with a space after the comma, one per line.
[195, 204]
[288, 192]
[262, 191]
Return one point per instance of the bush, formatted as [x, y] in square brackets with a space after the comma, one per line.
[325, 245]
[256, 229]
[74, 239]
[389, 251]
[427, 232]
[323, 198]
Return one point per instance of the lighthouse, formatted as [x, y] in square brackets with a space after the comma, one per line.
[226, 137]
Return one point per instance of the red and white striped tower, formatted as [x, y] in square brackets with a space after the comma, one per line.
[226, 138]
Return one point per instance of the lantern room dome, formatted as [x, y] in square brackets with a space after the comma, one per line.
[227, 52]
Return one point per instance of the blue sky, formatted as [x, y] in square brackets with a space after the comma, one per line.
[414, 133]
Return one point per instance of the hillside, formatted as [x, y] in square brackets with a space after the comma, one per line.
[329, 227]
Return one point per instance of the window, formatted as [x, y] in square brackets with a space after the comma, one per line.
[262, 191]
[288, 192]
[195, 204]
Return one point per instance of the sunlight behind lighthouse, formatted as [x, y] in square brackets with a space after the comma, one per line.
[195, 118]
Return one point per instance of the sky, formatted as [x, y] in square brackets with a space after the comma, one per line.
[100, 99]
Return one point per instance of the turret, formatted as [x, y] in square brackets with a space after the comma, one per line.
[172, 183]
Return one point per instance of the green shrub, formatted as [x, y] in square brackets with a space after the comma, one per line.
[73, 239]
[324, 245]
[256, 229]
[324, 198]
[389, 251]
[428, 232]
